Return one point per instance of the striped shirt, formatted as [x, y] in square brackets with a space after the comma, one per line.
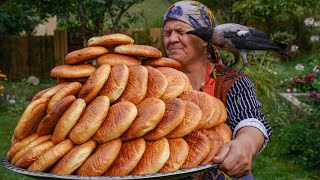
[244, 109]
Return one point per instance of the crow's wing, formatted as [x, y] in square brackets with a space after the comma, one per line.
[251, 40]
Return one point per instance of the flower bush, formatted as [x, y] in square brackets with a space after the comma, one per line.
[305, 80]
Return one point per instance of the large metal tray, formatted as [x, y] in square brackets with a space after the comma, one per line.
[167, 175]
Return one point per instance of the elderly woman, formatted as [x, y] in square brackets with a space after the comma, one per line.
[202, 64]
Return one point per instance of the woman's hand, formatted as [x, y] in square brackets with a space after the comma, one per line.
[235, 157]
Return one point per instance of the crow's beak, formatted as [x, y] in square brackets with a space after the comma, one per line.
[205, 33]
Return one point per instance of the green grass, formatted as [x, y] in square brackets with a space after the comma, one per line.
[7, 125]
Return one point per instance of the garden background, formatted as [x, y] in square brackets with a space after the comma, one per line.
[292, 153]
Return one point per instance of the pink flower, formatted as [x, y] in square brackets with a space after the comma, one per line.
[309, 77]
[298, 80]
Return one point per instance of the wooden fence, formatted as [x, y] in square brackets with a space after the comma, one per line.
[22, 56]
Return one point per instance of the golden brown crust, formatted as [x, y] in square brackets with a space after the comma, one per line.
[51, 156]
[215, 143]
[199, 148]
[32, 144]
[179, 150]
[110, 40]
[120, 117]
[73, 71]
[224, 131]
[47, 124]
[138, 50]
[223, 109]
[49, 92]
[84, 54]
[90, 121]
[162, 62]
[136, 88]
[114, 59]
[95, 83]
[116, 82]
[150, 113]
[70, 89]
[31, 118]
[101, 159]
[33, 154]
[155, 156]
[173, 116]
[190, 122]
[68, 120]
[40, 93]
[176, 82]
[215, 119]
[15, 148]
[157, 83]
[204, 101]
[128, 157]
[73, 160]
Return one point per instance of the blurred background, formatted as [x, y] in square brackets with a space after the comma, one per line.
[36, 35]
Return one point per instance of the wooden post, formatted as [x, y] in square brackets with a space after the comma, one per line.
[60, 46]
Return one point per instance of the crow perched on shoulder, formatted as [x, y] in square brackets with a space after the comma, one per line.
[237, 39]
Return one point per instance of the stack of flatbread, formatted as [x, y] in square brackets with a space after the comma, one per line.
[134, 112]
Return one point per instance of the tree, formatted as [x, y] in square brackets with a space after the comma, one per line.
[19, 16]
[90, 17]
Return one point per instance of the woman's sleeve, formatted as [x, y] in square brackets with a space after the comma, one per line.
[244, 109]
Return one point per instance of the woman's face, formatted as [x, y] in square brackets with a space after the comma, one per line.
[180, 46]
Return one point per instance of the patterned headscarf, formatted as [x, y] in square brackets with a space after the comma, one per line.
[191, 12]
[196, 15]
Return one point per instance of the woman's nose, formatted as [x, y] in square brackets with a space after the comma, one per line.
[174, 37]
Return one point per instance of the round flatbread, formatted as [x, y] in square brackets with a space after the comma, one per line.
[120, 117]
[32, 144]
[85, 54]
[179, 150]
[215, 144]
[90, 121]
[176, 82]
[136, 88]
[51, 156]
[33, 154]
[116, 82]
[157, 83]
[128, 158]
[114, 59]
[73, 71]
[162, 62]
[155, 156]
[68, 120]
[70, 89]
[224, 131]
[190, 122]
[95, 83]
[173, 116]
[199, 148]
[138, 50]
[110, 40]
[73, 160]
[31, 118]
[204, 101]
[15, 148]
[101, 159]
[150, 113]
